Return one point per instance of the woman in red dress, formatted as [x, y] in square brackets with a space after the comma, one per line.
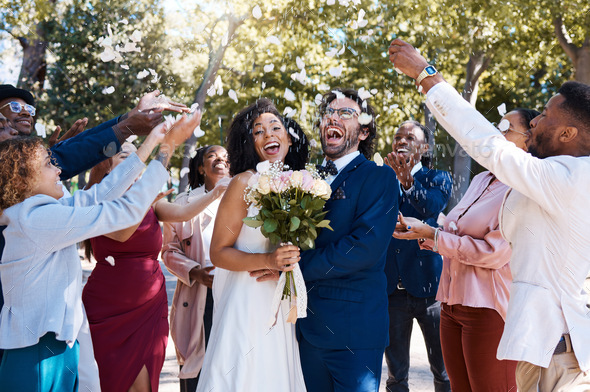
[125, 298]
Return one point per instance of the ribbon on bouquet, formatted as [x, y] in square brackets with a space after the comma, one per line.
[300, 306]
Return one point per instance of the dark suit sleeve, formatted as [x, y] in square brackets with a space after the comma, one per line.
[368, 238]
[85, 150]
[431, 193]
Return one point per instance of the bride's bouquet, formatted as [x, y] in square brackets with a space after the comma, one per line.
[290, 207]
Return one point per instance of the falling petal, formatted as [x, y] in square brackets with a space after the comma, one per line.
[110, 260]
[143, 74]
[364, 94]
[269, 68]
[136, 36]
[289, 112]
[40, 128]
[125, 66]
[177, 53]
[184, 171]
[336, 71]
[502, 109]
[289, 95]
[293, 133]
[198, 132]
[378, 159]
[257, 12]
[232, 94]
[273, 40]
[299, 62]
[108, 90]
[365, 118]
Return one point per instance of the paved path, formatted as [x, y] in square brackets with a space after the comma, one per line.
[420, 376]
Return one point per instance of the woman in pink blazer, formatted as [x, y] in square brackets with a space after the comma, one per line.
[186, 255]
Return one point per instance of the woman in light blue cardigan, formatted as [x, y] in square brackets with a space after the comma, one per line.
[40, 268]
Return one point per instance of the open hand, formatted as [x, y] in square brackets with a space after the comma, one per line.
[158, 103]
[402, 168]
[75, 129]
[408, 228]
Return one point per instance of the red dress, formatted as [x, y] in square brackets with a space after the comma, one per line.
[127, 307]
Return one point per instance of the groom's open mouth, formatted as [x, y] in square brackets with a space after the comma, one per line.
[334, 135]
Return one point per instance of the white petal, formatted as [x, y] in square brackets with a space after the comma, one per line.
[40, 128]
[318, 99]
[124, 21]
[110, 260]
[364, 94]
[263, 166]
[502, 109]
[232, 94]
[504, 125]
[269, 67]
[263, 85]
[336, 71]
[331, 2]
[332, 52]
[198, 132]
[365, 118]
[142, 74]
[300, 63]
[374, 91]
[108, 90]
[108, 55]
[289, 112]
[313, 143]
[378, 159]
[341, 51]
[273, 40]
[293, 133]
[257, 12]
[184, 171]
[177, 53]
[323, 87]
[131, 138]
[136, 36]
[289, 95]
[125, 66]
[194, 107]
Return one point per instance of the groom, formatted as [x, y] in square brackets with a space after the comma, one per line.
[341, 342]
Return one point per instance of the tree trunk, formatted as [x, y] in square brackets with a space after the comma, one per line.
[477, 64]
[215, 60]
[579, 55]
[582, 65]
[34, 66]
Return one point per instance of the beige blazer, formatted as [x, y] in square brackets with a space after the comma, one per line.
[182, 251]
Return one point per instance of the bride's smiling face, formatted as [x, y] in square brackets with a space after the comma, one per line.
[271, 140]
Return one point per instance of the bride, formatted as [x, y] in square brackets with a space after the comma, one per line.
[244, 354]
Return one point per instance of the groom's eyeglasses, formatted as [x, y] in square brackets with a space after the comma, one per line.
[343, 113]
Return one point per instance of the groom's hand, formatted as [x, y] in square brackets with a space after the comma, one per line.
[265, 274]
[406, 59]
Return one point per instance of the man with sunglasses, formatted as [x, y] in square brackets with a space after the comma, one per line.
[78, 154]
[342, 339]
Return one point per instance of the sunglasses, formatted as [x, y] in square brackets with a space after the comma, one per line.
[343, 113]
[17, 107]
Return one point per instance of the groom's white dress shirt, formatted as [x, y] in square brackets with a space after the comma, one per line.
[341, 163]
[546, 219]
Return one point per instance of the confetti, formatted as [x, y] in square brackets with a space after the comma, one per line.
[336, 71]
[365, 118]
[299, 62]
[136, 36]
[143, 74]
[184, 172]
[177, 53]
[110, 260]
[232, 94]
[364, 94]
[40, 128]
[108, 90]
[289, 95]
[378, 159]
[502, 109]
[293, 133]
[273, 40]
[289, 112]
[257, 12]
[125, 66]
[269, 68]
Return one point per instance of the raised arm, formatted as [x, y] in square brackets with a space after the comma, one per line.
[228, 225]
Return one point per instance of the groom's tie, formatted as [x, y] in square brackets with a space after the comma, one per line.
[328, 169]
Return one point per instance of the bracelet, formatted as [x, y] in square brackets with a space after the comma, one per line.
[435, 247]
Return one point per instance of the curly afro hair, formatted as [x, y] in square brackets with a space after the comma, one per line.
[18, 170]
[240, 142]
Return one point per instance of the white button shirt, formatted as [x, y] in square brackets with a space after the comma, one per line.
[545, 219]
[341, 163]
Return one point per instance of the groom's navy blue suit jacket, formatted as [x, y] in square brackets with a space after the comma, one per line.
[419, 270]
[347, 297]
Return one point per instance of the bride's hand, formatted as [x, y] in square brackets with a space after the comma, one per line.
[265, 274]
[283, 259]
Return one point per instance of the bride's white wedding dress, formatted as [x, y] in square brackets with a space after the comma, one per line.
[243, 353]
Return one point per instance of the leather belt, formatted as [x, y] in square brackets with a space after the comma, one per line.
[564, 345]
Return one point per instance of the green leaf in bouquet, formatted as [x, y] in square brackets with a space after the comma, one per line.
[280, 214]
[267, 213]
[317, 204]
[274, 238]
[308, 244]
[313, 234]
[305, 201]
[325, 223]
[270, 225]
[252, 222]
[320, 216]
[295, 222]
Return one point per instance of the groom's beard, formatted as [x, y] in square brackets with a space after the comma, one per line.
[349, 145]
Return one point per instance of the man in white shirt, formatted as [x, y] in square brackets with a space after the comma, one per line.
[544, 217]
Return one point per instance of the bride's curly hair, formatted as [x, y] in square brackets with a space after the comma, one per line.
[18, 171]
[240, 140]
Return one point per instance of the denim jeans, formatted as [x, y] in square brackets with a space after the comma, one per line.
[403, 309]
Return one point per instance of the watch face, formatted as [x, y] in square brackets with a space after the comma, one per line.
[430, 70]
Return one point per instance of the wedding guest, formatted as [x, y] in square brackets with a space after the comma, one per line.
[186, 255]
[341, 342]
[413, 274]
[6, 131]
[80, 153]
[39, 332]
[543, 217]
[130, 336]
[475, 282]
[243, 353]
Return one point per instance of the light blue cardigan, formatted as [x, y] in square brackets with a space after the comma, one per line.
[40, 267]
